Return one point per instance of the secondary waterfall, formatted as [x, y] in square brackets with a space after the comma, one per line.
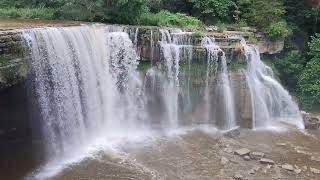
[271, 103]
[225, 99]
[228, 99]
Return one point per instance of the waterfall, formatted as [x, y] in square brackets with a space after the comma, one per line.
[271, 103]
[228, 98]
[171, 58]
[89, 92]
[87, 88]
[227, 120]
[212, 58]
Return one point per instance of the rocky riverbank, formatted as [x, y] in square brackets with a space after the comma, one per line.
[249, 155]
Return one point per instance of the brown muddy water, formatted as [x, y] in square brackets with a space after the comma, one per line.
[191, 155]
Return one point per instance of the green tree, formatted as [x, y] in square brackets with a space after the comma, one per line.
[261, 13]
[309, 81]
[124, 11]
[290, 68]
[212, 11]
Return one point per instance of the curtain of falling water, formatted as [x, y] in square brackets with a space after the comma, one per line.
[271, 102]
[227, 119]
[86, 84]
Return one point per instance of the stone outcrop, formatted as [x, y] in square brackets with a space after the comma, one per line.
[242, 99]
[271, 47]
[311, 121]
[13, 66]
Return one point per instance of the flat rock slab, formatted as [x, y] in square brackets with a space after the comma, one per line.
[242, 152]
[287, 167]
[266, 161]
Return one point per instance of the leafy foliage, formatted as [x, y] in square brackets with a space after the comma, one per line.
[124, 11]
[262, 13]
[277, 30]
[309, 81]
[290, 68]
[211, 11]
[165, 18]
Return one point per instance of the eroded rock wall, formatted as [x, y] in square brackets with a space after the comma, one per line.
[13, 67]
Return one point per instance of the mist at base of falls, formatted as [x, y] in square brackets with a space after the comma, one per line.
[90, 94]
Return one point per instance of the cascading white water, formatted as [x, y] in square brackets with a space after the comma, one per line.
[271, 103]
[171, 57]
[89, 91]
[123, 64]
[68, 66]
[229, 105]
[223, 86]
[87, 88]
[212, 58]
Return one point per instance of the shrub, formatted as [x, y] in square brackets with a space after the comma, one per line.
[197, 34]
[165, 18]
[221, 27]
[277, 30]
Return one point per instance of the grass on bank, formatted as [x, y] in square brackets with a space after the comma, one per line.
[28, 13]
[163, 18]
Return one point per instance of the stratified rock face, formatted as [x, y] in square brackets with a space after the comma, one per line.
[13, 64]
[12, 60]
[271, 47]
[242, 99]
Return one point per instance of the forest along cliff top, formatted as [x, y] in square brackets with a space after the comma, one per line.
[11, 24]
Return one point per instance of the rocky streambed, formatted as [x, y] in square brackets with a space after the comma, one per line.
[245, 154]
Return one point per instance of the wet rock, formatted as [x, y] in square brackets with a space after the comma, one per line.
[313, 158]
[232, 133]
[314, 170]
[228, 150]
[257, 155]
[304, 168]
[311, 121]
[287, 167]
[266, 168]
[224, 160]
[266, 161]
[297, 171]
[242, 152]
[247, 158]
[238, 177]
[254, 170]
[281, 144]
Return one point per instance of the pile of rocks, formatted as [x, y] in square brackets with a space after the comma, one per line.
[260, 157]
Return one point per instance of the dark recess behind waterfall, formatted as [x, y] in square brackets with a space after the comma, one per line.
[19, 119]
